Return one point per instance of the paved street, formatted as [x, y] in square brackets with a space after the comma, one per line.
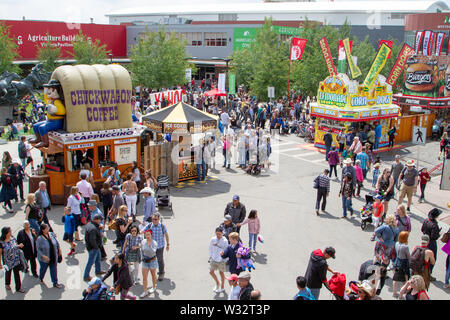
[285, 200]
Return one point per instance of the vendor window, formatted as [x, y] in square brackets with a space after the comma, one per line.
[104, 154]
[56, 160]
[77, 159]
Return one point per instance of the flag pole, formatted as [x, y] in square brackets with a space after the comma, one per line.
[289, 75]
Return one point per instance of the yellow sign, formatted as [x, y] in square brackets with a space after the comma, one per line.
[332, 92]
[356, 72]
[377, 65]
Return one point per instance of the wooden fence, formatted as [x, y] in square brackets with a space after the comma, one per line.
[158, 158]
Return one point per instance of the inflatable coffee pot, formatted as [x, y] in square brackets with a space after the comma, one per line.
[55, 114]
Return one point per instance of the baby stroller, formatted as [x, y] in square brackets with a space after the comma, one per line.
[162, 192]
[366, 211]
[336, 285]
[254, 169]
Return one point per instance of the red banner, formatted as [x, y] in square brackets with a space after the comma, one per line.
[419, 36]
[29, 35]
[388, 43]
[324, 47]
[297, 47]
[399, 64]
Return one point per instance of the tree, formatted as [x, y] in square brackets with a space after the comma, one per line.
[366, 53]
[270, 63]
[311, 69]
[85, 51]
[265, 64]
[49, 55]
[158, 60]
[8, 50]
[242, 65]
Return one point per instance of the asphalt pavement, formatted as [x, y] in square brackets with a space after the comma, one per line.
[285, 200]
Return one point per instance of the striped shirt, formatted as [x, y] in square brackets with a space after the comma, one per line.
[324, 182]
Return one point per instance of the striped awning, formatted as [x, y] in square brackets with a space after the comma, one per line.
[180, 117]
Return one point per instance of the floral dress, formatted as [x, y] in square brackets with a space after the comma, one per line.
[10, 253]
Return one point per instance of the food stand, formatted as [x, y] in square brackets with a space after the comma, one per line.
[343, 104]
[185, 124]
[94, 103]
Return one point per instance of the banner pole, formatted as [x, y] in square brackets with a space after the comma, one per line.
[289, 78]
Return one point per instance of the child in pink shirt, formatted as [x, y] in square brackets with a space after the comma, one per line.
[359, 176]
[253, 228]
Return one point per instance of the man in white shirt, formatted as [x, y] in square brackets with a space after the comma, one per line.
[218, 244]
[235, 289]
[85, 188]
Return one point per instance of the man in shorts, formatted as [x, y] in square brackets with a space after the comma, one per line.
[217, 244]
[409, 179]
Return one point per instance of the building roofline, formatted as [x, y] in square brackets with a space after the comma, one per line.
[286, 7]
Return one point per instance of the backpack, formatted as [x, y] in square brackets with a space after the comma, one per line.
[307, 296]
[417, 259]
[22, 150]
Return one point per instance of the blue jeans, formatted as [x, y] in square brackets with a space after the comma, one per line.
[447, 272]
[315, 292]
[23, 162]
[94, 257]
[203, 171]
[53, 271]
[34, 225]
[346, 205]
[252, 238]
[376, 143]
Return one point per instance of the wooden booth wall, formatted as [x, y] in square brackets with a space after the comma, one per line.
[158, 159]
[406, 123]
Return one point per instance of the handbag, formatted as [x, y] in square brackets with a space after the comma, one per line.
[112, 225]
[117, 289]
[444, 237]
[316, 183]
[132, 255]
[148, 260]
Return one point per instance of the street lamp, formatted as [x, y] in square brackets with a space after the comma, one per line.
[227, 60]
[110, 58]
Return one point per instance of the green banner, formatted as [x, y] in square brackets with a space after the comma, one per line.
[377, 65]
[287, 30]
[243, 37]
[231, 83]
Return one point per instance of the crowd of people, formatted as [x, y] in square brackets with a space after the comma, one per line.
[247, 127]
[412, 267]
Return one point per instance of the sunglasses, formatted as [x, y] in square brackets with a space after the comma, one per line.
[154, 219]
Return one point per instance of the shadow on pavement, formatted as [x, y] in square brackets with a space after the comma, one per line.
[326, 215]
[166, 286]
[219, 296]
[261, 258]
[50, 293]
[204, 190]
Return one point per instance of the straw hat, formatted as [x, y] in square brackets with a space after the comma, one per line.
[348, 161]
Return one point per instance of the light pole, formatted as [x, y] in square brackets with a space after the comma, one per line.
[110, 58]
[227, 60]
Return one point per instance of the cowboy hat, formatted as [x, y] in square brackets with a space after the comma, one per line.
[410, 163]
[148, 190]
[348, 161]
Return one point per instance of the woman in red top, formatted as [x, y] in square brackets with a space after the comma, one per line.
[424, 178]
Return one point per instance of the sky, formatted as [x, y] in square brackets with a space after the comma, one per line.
[82, 10]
